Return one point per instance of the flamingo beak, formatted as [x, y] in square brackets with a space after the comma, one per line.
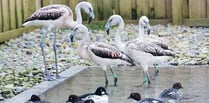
[107, 28]
[148, 28]
[91, 16]
[73, 34]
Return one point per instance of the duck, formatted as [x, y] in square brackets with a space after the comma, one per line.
[144, 22]
[75, 99]
[100, 53]
[99, 96]
[172, 94]
[89, 101]
[36, 99]
[137, 98]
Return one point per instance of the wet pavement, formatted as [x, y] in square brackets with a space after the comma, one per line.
[195, 80]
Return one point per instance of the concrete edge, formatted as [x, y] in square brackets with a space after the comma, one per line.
[45, 86]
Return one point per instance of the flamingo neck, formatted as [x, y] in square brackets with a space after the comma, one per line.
[118, 40]
[141, 31]
[71, 23]
[78, 14]
[82, 48]
[86, 37]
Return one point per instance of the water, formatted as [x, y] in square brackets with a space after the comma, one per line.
[195, 81]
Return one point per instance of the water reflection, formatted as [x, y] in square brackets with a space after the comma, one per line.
[195, 81]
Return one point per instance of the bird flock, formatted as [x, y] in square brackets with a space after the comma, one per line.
[144, 50]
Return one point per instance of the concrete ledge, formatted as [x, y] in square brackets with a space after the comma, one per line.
[44, 86]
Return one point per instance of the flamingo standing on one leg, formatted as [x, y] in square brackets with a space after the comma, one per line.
[57, 16]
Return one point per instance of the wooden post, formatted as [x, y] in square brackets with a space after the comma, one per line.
[5, 14]
[25, 9]
[177, 12]
[46, 2]
[12, 14]
[207, 8]
[133, 11]
[31, 7]
[159, 9]
[197, 8]
[100, 9]
[116, 9]
[107, 10]
[151, 13]
[168, 10]
[19, 13]
[56, 1]
[1, 26]
[66, 2]
[38, 4]
[185, 9]
[142, 7]
[125, 9]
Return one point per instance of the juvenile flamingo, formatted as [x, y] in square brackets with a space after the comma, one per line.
[100, 53]
[53, 17]
[142, 51]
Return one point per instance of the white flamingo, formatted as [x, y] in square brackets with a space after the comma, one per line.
[53, 17]
[142, 51]
[98, 52]
[144, 21]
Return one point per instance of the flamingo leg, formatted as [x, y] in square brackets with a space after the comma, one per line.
[55, 55]
[106, 80]
[145, 78]
[114, 76]
[156, 70]
[146, 74]
[42, 44]
[148, 78]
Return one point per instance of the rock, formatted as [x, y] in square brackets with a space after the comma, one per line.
[18, 90]
[7, 93]
[28, 52]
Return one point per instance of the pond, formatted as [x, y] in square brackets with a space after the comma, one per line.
[195, 80]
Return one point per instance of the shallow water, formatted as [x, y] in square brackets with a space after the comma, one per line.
[195, 80]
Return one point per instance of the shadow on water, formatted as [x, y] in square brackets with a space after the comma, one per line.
[195, 80]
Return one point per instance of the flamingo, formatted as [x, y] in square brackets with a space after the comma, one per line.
[98, 52]
[144, 21]
[172, 94]
[142, 51]
[53, 17]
